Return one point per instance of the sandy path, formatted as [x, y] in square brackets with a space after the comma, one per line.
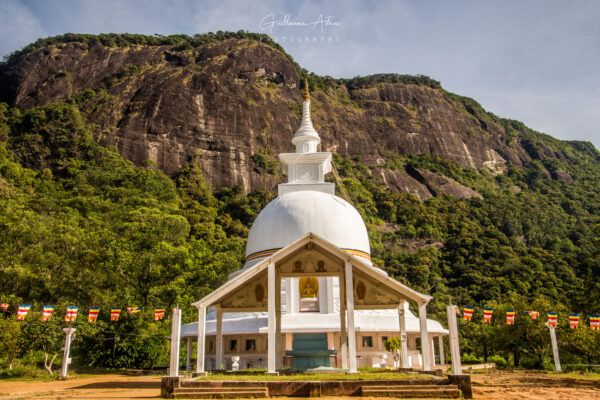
[505, 385]
[500, 385]
[98, 387]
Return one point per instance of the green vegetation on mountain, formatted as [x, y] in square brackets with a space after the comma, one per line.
[80, 225]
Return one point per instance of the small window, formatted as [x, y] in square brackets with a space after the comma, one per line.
[367, 341]
[383, 339]
[250, 345]
[233, 345]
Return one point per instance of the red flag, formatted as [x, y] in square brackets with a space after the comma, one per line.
[552, 319]
[510, 317]
[487, 315]
[114, 314]
[93, 314]
[467, 313]
[47, 313]
[533, 314]
[573, 321]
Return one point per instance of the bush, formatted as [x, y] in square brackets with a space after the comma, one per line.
[17, 372]
[581, 368]
[468, 358]
[499, 361]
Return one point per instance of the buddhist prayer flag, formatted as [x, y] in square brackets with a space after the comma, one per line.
[573, 321]
[133, 310]
[552, 319]
[487, 315]
[467, 313]
[71, 315]
[93, 314]
[510, 317]
[4, 306]
[114, 314]
[594, 322]
[22, 311]
[533, 314]
[159, 313]
[47, 313]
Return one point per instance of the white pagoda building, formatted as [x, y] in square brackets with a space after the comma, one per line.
[308, 295]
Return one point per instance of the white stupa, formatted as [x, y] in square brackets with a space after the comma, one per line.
[308, 210]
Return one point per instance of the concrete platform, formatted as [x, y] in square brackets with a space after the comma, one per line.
[451, 387]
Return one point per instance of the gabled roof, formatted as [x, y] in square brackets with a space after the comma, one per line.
[255, 270]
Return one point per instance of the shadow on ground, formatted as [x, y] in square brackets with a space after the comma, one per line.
[121, 385]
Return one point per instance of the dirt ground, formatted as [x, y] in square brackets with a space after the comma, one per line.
[499, 385]
[505, 385]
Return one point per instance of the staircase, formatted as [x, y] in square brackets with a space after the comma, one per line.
[226, 390]
[412, 391]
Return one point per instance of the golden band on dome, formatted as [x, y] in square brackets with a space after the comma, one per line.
[358, 253]
[269, 253]
[261, 254]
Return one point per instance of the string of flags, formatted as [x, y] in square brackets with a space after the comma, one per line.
[71, 312]
[552, 320]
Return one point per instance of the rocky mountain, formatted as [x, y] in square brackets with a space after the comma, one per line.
[234, 104]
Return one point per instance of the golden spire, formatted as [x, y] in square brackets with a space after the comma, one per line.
[306, 94]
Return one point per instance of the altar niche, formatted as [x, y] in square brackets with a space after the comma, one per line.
[312, 264]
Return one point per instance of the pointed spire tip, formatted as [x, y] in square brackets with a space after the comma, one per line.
[306, 94]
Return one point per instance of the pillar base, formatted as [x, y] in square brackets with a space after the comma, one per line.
[463, 381]
[436, 372]
[167, 385]
[272, 373]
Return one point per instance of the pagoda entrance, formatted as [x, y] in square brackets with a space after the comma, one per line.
[310, 351]
[309, 262]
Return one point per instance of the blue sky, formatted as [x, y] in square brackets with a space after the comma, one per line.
[535, 61]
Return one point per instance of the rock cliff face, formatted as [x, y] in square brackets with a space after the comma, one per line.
[236, 103]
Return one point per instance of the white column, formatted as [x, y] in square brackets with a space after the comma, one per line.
[66, 359]
[322, 297]
[278, 356]
[555, 348]
[175, 342]
[350, 307]
[330, 305]
[432, 352]
[295, 295]
[188, 354]
[403, 339]
[441, 346]
[288, 295]
[219, 340]
[425, 351]
[271, 364]
[343, 332]
[200, 352]
[454, 349]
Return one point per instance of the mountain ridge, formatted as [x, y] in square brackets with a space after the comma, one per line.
[234, 103]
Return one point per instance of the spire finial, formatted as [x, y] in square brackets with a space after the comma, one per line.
[306, 94]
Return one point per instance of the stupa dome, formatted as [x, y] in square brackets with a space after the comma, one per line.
[292, 215]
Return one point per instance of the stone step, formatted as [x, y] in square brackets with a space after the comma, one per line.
[223, 384]
[415, 386]
[445, 392]
[219, 394]
[219, 389]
